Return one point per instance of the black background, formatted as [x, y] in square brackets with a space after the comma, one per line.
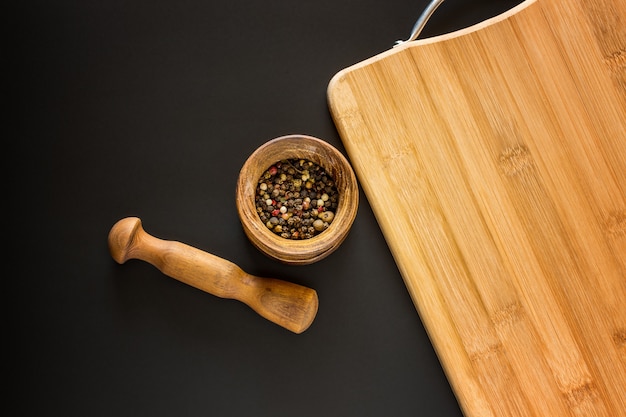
[149, 109]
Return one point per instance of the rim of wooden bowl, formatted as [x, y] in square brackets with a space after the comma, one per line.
[305, 251]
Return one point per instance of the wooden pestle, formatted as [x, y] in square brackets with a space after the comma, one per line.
[289, 305]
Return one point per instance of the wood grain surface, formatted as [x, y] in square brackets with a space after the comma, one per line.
[494, 159]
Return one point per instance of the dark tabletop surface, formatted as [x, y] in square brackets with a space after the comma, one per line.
[149, 109]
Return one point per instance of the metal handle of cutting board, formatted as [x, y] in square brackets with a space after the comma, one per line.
[421, 21]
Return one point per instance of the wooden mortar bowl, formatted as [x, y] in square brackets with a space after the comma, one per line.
[305, 251]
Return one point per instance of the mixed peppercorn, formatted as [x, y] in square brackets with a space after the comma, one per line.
[296, 199]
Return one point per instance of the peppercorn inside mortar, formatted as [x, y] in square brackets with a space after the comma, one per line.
[296, 199]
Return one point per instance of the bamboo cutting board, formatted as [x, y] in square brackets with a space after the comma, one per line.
[494, 159]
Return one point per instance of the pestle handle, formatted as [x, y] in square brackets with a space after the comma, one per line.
[289, 305]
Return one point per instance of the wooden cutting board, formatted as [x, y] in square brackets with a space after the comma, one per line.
[494, 159]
